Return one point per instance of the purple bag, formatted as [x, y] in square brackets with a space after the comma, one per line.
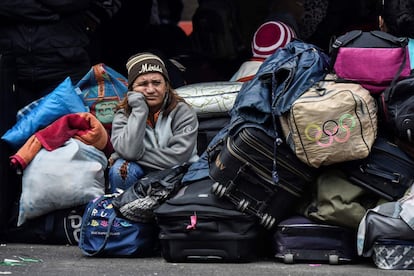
[300, 239]
[373, 59]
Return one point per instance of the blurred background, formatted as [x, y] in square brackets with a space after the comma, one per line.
[207, 40]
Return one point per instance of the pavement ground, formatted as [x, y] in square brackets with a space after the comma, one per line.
[34, 259]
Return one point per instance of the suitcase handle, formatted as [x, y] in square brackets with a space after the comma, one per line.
[214, 150]
[373, 170]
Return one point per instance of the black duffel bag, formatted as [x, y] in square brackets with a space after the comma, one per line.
[396, 110]
[58, 227]
[138, 202]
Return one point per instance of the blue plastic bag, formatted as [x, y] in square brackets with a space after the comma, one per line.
[61, 101]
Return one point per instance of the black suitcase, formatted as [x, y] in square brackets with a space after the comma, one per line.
[243, 172]
[387, 171]
[196, 226]
[298, 239]
[208, 129]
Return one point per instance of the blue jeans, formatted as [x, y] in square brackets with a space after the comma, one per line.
[124, 174]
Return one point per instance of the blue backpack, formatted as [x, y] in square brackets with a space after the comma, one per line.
[280, 80]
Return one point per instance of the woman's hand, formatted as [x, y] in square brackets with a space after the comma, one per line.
[135, 98]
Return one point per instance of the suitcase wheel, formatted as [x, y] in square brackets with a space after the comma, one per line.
[267, 221]
[288, 258]
[333, 259]
[243, 204]
[218, 189]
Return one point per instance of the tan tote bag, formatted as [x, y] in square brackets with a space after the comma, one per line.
[330, 123]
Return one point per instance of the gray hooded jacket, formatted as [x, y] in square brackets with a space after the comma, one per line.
[172, 141]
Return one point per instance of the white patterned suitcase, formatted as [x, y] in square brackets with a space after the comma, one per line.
[394, 254]
[210, 99]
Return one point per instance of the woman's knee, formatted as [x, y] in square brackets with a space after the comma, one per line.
[123, 174]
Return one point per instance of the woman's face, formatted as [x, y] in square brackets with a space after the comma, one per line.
[154, 88]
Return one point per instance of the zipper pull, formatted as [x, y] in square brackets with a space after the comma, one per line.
[193, 222]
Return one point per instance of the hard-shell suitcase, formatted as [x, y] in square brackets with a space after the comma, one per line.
[393, 254]
[243, 172]
[298, 239]
[387, 171]
[196, 226]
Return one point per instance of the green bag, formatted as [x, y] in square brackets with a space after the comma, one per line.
[337, 201]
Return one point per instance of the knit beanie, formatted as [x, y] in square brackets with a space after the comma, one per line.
[143, 63]
[271, 36]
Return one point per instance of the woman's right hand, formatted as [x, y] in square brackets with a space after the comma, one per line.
[135, 99]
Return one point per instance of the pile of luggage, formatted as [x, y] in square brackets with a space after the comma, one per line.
[309, 155]
[311, 161]
[317, 153]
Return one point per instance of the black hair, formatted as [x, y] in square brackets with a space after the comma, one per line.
[398, 16]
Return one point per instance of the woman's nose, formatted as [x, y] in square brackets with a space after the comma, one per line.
[150, 88]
